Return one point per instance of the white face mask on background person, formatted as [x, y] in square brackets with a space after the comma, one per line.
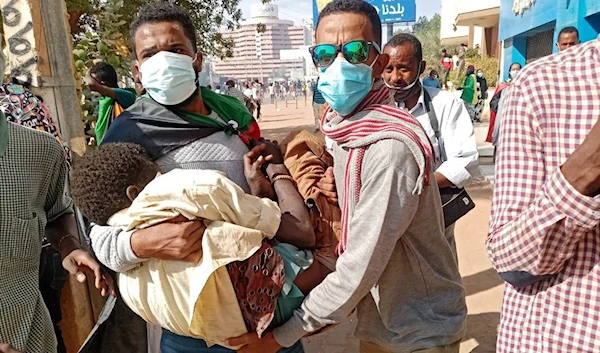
[513, 74]
[169, 78]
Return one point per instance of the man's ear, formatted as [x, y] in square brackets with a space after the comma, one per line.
[132, 192]
[198, 62]
[135, 70]
[423, 67]
[380, 64]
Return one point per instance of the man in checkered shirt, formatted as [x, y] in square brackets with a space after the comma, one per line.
[544, 236]
[33, 204]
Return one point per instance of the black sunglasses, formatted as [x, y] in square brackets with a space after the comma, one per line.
[355, 52]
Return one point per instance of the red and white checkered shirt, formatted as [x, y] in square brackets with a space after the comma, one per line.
[540, 224]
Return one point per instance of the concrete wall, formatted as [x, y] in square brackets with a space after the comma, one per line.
[582, 14]
[448, 13]
[540, 13]
[471, 6]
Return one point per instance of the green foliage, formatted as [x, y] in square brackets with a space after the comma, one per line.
[428, 33]
[488, 65]
[209, 17]
[105, 44]
[471, 53]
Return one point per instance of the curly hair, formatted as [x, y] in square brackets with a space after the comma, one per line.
[162, 11]
[99, 179]
[105, 73]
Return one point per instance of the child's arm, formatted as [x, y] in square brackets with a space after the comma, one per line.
[296, 226]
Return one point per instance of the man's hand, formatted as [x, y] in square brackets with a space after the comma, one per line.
[327, 186]
[7, 348]
[442, 181]
[79, 262]
[271, 148]
[582, 168]
[252, 344]
[178, 239]
[253, 162]
[90, 81]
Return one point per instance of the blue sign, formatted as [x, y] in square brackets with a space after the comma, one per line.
[390, 11]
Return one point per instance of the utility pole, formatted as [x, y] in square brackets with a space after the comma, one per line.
[390, 31]
[39, 52]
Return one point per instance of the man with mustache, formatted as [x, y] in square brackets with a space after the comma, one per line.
[454, 141]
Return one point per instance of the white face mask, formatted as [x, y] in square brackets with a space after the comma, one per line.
[513, 74]
[169, 78]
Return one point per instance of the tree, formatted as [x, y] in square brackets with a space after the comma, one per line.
[105, 43]
[428, 33]
[209, 16]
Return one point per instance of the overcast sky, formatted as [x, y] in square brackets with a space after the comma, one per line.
[298, 10]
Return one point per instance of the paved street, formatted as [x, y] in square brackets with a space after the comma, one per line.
[484, 287]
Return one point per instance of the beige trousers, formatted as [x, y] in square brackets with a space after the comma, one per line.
[370, 347]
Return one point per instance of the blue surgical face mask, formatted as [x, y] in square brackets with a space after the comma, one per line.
[169, 78]
[345, 85]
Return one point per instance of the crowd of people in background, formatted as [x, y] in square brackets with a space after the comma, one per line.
[184, 202]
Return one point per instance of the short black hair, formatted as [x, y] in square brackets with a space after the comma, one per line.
[357, 7]
[516, 63]
[106, 73]
[218, 87]
[230, 83]
[568, 30]
[402, 38]
[99, 179]
[162, 11]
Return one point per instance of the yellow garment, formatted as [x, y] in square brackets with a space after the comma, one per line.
[196, 300]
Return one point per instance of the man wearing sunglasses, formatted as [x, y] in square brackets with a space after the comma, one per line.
[395, 265]
[444, 117]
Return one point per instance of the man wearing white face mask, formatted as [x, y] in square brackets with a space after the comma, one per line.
[180, 126]
[444, 118]
[395, 265]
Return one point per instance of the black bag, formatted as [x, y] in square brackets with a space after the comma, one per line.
[455, 201]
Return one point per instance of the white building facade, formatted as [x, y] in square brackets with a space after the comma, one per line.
[258, 56]
[472, 23]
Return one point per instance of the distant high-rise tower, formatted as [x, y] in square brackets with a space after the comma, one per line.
[257, 55]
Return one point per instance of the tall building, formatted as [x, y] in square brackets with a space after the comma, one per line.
[258, 55]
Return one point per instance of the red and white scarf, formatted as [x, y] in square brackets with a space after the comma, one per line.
[375, 119]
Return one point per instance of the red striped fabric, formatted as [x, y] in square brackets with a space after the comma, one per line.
[373, 108]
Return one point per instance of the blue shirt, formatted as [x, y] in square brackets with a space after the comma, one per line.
[431, 82]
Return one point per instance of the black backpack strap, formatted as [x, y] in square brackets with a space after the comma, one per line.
[434, 123]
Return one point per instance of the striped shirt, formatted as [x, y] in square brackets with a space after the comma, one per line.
[33, 173]
[542, 227]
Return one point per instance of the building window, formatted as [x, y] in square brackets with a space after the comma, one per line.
[539, 45]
